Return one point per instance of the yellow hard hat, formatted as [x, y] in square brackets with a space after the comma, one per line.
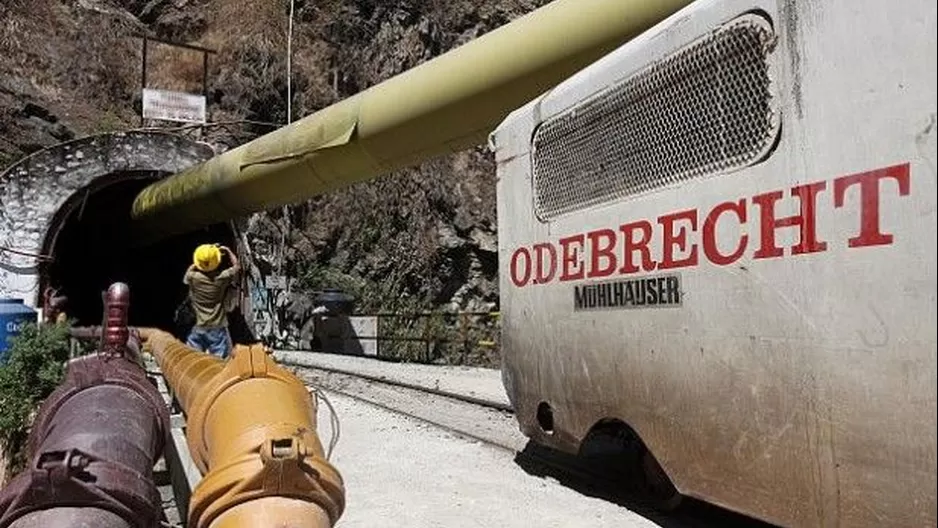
[207, 257]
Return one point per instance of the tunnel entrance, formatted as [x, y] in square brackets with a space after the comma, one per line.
[91, 245]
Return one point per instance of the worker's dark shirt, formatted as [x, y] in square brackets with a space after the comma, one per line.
[207, 295]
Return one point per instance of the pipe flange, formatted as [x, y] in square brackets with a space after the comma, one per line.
[286, 473]
[93, 371]
[87, 481]
[247, 362]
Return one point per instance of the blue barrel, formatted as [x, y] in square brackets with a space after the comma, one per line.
[13, 315]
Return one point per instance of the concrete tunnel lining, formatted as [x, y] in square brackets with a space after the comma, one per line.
[71, 202]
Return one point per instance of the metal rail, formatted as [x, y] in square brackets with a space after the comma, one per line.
[498, 406]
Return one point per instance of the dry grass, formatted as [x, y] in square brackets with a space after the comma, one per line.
[81, 55]
[174, 68]
[25, 34]
[262, 23]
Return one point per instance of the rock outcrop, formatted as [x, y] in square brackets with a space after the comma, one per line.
[422, 239]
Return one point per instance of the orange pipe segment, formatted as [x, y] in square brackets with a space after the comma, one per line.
[251, 430]
[273, 511]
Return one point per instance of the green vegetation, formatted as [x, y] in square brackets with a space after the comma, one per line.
[108, 122]
[413, 329]
[33, 369]
[7, 159]
[440, 338]
[317, 277]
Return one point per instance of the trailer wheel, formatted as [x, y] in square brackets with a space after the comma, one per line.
[614, 446]
[661, 492]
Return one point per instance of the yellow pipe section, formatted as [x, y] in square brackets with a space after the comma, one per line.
[251, 430]
[444, 105]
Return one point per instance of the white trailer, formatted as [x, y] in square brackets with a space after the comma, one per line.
[721, 238]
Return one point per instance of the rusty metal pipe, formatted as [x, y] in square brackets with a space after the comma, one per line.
[85, 332]
[251, 430]
[93, 443]
[88, 333]
[71, 517]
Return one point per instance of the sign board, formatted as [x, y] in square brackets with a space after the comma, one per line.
[275, 282]
[173, 106]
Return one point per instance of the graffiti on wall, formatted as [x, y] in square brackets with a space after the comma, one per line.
[280, 317]
[260, 311]
[281, 313]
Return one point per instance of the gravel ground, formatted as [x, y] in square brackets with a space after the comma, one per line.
[481, 423]
[473, 381]
[401, 472]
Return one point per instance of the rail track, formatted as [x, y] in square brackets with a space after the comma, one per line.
[485, 421]
[498, 406]
[493, 423]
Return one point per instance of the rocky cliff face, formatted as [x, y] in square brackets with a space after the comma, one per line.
[422, 239]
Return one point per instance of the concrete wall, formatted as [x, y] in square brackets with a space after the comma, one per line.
[33, 190]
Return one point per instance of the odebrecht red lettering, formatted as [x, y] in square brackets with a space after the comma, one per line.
[544, 272]
[631, 246]
[602, 254]
[870, 235]
[677, 240]
[711, 250]
[521, 278]
[805, 221]
[571, 258]
[640, 246]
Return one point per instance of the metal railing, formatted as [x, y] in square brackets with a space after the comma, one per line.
[428, 337]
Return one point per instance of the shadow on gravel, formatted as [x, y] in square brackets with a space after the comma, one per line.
[595, 481]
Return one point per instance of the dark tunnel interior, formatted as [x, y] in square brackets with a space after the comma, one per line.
[93, 249]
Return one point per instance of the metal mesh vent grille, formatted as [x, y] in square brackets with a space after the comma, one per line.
[703, 110]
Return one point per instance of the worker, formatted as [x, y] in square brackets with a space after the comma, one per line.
[208, 287]
[54, 306]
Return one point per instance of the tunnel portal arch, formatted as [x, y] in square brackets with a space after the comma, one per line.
[47, 198]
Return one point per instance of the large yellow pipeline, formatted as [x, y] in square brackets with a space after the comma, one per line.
[447, 104]
[251, 429]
